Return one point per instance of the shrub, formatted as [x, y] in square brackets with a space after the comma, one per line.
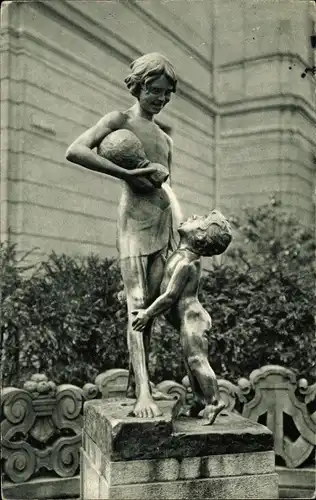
[65, 317]
[262, 299]
[12, 315]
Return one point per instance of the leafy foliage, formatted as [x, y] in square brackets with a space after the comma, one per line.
[66, 316]
[262, 300]
[64, 319]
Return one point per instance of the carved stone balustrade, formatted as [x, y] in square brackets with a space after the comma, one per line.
[41, 426]
[287, 406]
[275, 397]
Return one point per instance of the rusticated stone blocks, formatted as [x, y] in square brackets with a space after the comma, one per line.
[128, 458]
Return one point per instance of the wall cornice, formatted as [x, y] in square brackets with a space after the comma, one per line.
[281, 102]
[272, 56]
[265, 130]
[172, 35]
[49, 45]
[241, 107]
[127, 52]
[91, 69]
[67, 14]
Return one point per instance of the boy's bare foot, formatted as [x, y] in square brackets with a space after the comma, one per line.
[161, 396]
[211, 411]
[156, 394]
[145, 407]
[193, 410]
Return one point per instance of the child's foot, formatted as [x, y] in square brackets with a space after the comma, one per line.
[145, 407]
[193, 410]
[211, 411]
[161, 396]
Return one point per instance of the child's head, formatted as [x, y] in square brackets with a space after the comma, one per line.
[152, 81]
[207, 235]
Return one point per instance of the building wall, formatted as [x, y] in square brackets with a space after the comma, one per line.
[267, 124]
[242, 121]
[67, 64]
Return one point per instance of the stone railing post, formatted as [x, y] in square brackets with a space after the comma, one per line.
[41, 427]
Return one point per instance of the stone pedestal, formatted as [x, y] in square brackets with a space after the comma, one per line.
[165, 458]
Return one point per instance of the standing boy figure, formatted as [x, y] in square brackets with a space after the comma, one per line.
[199, 236]
[146, 219]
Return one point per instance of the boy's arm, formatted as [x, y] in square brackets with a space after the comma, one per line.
[173, 292]
[80, 151]
[170, 153]
[177, 215]
[166, 300]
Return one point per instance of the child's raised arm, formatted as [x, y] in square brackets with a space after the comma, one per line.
[166, 300]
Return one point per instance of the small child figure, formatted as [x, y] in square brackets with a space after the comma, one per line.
[199, 236]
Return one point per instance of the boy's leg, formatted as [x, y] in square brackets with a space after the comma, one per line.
[198, 402]
[150, 269]
[134, 274]
[195, 346]
[155, 272]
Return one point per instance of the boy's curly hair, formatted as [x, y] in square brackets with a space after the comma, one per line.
[147, 68]
[212, 240]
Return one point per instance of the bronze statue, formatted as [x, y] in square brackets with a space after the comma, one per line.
[199, 236]
[147, 211]
[123, 148]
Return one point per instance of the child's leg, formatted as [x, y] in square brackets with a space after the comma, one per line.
[195, 346]
[198, 399]
[198, 402]
[142, 277]
[134, 273]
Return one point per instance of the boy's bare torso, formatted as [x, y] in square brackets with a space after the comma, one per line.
[153, 139]
[157, 150]
[187, 308]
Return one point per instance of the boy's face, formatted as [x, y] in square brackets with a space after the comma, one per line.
[196, 222]
[216, 217]
[192, 224]
[155, 95]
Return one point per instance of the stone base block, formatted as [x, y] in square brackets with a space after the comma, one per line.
[128, 458]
